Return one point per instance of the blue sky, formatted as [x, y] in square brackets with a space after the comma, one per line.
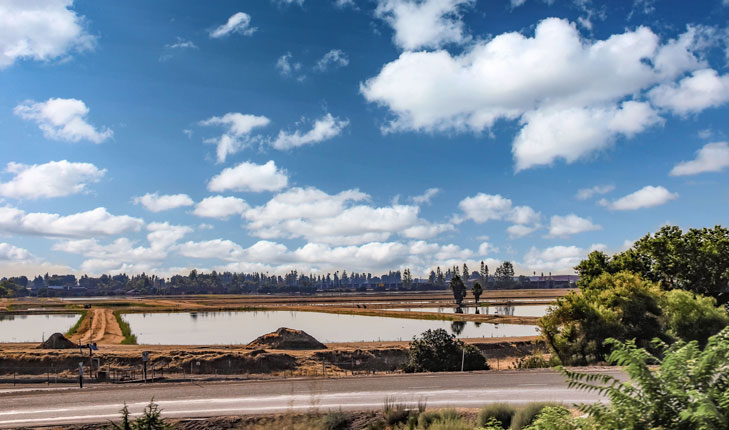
[358, 135]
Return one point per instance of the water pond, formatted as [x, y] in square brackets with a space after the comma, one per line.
[200, 328]
[34, 328]
[519, 311]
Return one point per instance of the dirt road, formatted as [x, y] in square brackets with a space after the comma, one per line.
[99, 326]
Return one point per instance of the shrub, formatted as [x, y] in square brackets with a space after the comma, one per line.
[501, 412]
[451, 424]
[335, 420]
[394, 412]
[437, 351]
[151, 419]
[534, 361]
[560, 418]
[526, 415]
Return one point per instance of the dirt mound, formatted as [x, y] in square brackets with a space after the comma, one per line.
[57, 341]
[286, 338]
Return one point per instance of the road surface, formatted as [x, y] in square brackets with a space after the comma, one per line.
[101, 403]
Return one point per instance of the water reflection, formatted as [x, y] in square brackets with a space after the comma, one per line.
[509, 310]
[242, 327]
[33, 328]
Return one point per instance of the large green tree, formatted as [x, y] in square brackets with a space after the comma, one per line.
[458, 288]
[696, 260]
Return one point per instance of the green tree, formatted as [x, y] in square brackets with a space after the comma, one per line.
[466, 273]
[504, 274]
[458, 289]
[697, 261]
[692, 317]
[621, 306]
[477, 290]
[437, 351]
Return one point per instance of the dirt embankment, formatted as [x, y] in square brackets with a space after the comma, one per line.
[99, 326]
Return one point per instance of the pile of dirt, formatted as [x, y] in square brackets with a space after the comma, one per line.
[286, 338]
[57, 341]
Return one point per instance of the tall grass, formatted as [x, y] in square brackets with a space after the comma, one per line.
[129, 338]
[76, 326]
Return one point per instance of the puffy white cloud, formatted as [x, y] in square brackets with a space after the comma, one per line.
[424, 23]
[9, 252]
[237, 135]
[486, 248]
[314, 215]
[239, 22]
[52, 179]
[335, 58]
[586, 193]
[41, 30]
[62, 119]
[563, 226]
[486, 207]
[249, 176]
[123, 254]
[425, 197]
[158, 203]
[220, 207]
[324, 128]
[692, 94]
[712, 157]
[575, 133]
[646, 197]
[96, 222]
[216, 248]
[572, 96]
[555, 259]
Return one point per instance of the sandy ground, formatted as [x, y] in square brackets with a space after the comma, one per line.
[99, 326]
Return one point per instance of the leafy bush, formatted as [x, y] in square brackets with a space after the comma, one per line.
[436, 351]
[525, 416]
[689, 389]
[693, 317]
[335, 420]
[560, 418]
[151, 419]
[501, 412]
[535, 361]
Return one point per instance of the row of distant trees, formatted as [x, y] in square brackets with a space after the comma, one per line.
[245, 283]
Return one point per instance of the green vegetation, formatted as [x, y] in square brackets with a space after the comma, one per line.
[76, 326]
[437, 351]
[151, 419]
[477, 290]
[458, 288]
[497, 413]
[129, 338]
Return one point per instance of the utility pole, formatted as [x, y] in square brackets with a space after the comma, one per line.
[463, 356]
[81, 374]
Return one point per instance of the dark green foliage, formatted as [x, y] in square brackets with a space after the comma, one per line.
[504, 274]
[477, 290]
[560, 418]
[689, 388]
[535, 361]
[697, 261]
[458, 288]
[335, 420]
[437, 351]
[501, 412]
[151, 419]
[693, 317]
[129, 338]
[76, 326]
[526, 415]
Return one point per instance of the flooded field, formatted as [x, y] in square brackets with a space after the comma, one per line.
[199, 328]
[34, 328]
[518, 311]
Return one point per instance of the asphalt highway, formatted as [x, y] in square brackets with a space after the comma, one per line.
[100, 403]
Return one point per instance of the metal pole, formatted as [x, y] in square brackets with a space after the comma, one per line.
[81, 374]
[463, 357]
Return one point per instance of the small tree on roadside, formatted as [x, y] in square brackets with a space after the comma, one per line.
[459, 289]
[438, 351]
[477, 290]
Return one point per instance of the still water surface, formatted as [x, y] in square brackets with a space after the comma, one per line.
[33, 328]
[519, 311]
[199, 328]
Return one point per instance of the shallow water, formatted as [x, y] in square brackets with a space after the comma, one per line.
[199, 328]
[519, 311]
[34, 328]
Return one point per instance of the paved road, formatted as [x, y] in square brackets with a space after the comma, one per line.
[102, 403]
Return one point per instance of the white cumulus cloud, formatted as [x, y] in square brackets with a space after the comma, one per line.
[248, 176]
[586, 193]
[712, 157]
[220, 207]
[239, 22]
[563, 226]
[646, 197]
[9, 252]
[41, 30]
[487, 207]
[52, 179]
[158, 203]
[62, 119]
[325, 128]
[96, 222]
[692, 94]
[425, 23]
[237, 135]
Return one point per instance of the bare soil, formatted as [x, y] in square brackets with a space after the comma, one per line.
[99, 326]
